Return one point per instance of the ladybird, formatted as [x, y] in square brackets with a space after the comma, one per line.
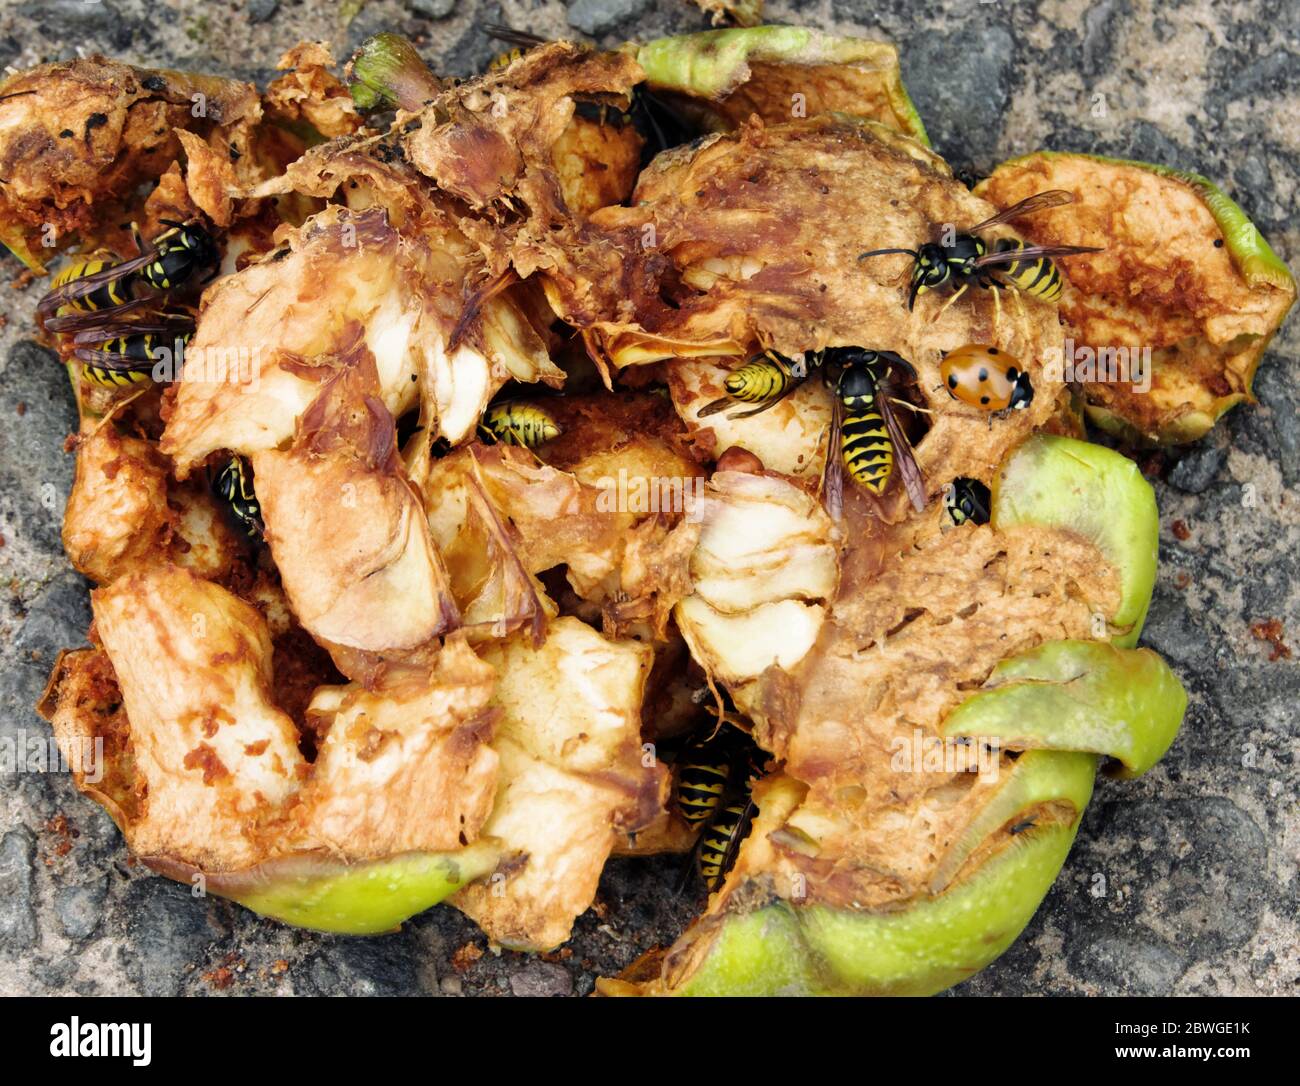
[986, 377]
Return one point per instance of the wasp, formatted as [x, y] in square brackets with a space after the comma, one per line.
[505, 59]
[703, 772]
[515, 422]
[986, 377]
[715, 779]
[765, 379]
[233, 486]
[968, 500]
[721, 841]
[1010, 263]
[865, 429]
[130, 357]
[95, 286]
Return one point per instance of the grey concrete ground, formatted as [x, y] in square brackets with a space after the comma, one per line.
[1183, 882]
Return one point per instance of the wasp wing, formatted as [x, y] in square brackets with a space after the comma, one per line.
[743, 825]
[1032, 252]
[1039, 202]
[913, 481]
[512, 36]
[77, 289]
[158, 324]
[833, 470]
[795, 382]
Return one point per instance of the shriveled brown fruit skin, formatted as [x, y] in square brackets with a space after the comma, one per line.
[77, 136]
[1166, 283]
[919, 619]
[201, 769]
[348, 532]
[126, 512]
[213, 755]
[492, 144]
[309, 93]
[574, 779]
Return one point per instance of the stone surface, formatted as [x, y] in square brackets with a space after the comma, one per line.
[597, 16]
[261, 10]
[433, 9]
[1181, 882]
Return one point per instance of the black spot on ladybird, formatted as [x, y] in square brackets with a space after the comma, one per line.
[1218, 243]
[952, 382]
[993, 350]
[984, 374]
[984, 399]
[1012, 373]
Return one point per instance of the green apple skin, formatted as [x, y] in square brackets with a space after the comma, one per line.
[358, 899]
[712, 63]
[1098, 494]
[1078, 695]
[788, 949]
[386, 72]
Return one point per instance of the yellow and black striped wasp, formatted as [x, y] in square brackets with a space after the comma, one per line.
[132, 356]
[715, 776]
[109, 307]
[720, 843]
[701, 774]
[1010, 263]
[517, 422]
[94, 289]
[233, 486]
[765, 379]
[865, 431]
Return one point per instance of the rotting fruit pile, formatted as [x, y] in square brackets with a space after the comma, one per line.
[600, 456]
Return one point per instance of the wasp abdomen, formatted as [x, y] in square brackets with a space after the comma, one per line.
[721, 842]
[522, 424]
[1037, 277]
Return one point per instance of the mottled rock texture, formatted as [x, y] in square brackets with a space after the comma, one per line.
[1182, 882]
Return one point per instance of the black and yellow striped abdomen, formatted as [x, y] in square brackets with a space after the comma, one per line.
[865, 446]
[504, 60]
[110, 378]
[764, 377]
[523, 424]
[721, 842]
[702, 776]
[1037, 277]
[233, 486]
[106, 296]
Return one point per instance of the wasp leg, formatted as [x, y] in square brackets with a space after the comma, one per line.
[1024, 316]
[944, 308]
[997, 313]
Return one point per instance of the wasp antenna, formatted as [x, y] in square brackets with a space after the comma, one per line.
[884, 252]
